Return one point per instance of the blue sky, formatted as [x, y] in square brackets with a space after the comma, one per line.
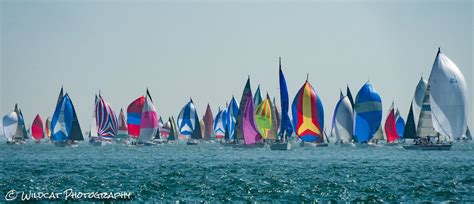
[206, 50]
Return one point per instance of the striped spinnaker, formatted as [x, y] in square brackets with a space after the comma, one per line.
[107, 123]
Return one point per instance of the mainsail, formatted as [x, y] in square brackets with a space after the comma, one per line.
[343, 120]
[390, 126]
[409, 131]
[448, 98]
[418, 98]
[250, 132]
[275, 120]
[367, 113]
[425, 122]
[107, 123]
[93, 133]
[37, 130]
[208, 123]
[263, 118]
[286, 128]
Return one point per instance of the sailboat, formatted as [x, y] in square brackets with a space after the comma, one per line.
[220, 124]
[343, 120]
[37, 130]
[367, 114]
[251, 135]
[285, 126]
[142, 120]
[188, 123]
[64, 124]
[122, 127]
[208, 120]
[391, 128]
[107, 123]
[414, 113]
[93, 133]
[308, 116]
[13, 130]
[165, 131]
[447, 99]
[239, 130]
[158, 139]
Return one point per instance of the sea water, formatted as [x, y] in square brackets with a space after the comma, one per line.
[211, 172]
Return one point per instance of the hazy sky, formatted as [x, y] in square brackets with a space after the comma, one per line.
[205, 50]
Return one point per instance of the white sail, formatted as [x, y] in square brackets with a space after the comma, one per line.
[448, 98]
[424, 126]
[379, 134]
[418, 98]
[343, 121]
[93, 125]
[10, 125]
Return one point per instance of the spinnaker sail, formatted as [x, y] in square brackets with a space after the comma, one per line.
[37, 129]
[400, 124]
[10, 126]
[208, 120]
[343, 120]
[250, 132]
[134, 116]
[220, 124]
[107, 123]
[448, 97]
[188, 122]
[367, 113]
[308, 115]
[149, 120]
[263, 118]
[390, 126]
